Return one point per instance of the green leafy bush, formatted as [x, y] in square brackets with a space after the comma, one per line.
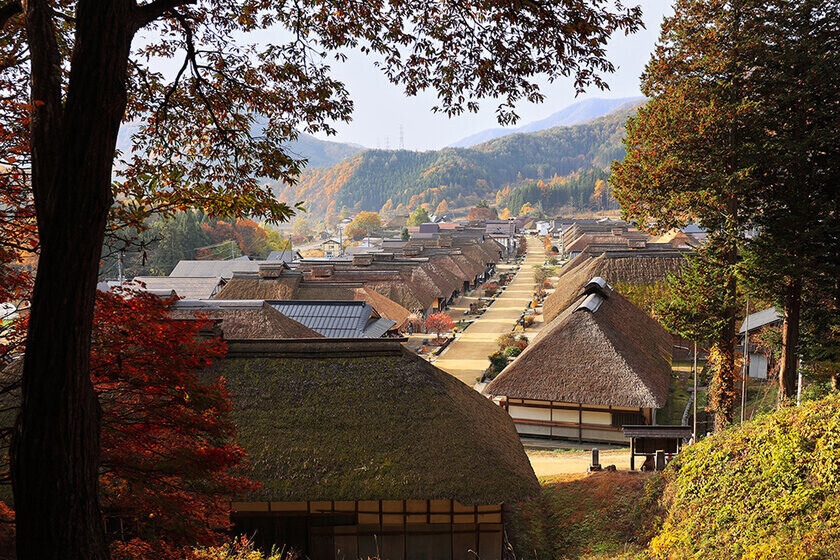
[498, 361]
[512, 351]
[768, 490]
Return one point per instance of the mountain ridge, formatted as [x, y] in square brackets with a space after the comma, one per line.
[577, 155]
[576, 113]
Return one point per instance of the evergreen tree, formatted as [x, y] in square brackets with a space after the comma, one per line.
[692, 148]
[419, 216]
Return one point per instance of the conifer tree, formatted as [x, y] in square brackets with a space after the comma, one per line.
[691, 148]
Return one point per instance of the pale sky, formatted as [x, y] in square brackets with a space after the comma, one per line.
[381, 107]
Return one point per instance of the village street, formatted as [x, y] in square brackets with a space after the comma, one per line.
[466, 357]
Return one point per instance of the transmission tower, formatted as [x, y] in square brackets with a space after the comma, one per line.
[402, 144]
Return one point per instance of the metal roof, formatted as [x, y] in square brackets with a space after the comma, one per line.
[209, 269]
[285, 256]
[189, 288]
[336, 319]
[762, 318]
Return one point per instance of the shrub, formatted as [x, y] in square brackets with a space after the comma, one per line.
[512, 351]
[508, 339]
[498, 361]
[769, 489]
[527, 321]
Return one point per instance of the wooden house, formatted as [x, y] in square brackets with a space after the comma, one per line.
[364, 450]
[601, 364]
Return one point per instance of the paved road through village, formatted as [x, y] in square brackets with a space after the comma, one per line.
[466, 358]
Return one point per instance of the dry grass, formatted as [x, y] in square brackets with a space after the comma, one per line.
[598, 516]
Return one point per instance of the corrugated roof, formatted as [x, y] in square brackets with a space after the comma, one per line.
[335, 319]
[761, 318]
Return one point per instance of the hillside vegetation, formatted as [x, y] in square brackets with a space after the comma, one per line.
[369, 179]
[595, 517]
[769, 490]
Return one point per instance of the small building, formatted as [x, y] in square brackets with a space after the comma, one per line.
[243, 319]
[760, 357]
[336, 319]
[364, 450]
[331, 247]
[601, 364]
[646, 441]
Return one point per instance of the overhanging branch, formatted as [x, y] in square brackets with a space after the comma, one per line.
[10, 10]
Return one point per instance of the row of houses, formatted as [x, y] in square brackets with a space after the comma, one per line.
[402, 281]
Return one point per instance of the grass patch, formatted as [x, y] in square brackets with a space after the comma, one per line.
[602, 515]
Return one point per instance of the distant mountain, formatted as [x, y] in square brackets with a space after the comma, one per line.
[319, 153]
[577, 113]
[561, 158]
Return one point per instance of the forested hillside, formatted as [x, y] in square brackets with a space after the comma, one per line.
[568, 159]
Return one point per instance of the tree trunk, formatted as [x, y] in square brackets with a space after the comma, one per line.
[723, 396]
[790, 341]
[55, 448]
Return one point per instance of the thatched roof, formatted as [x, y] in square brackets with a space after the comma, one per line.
[252, 287]
[406, 293]
[602, 350]
[365, 420]
[246, 320]
[383, 306]
[618, 270]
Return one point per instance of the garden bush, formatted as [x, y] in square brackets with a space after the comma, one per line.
[505, 340]
[498, 361]
[512, 351]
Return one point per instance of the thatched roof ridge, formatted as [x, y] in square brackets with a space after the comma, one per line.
[613, 356]
[471, 259]
[252, 321]
[328, 422]
[252, 287]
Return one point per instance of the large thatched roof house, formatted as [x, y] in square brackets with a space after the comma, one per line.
[600, 364]
[365, 450]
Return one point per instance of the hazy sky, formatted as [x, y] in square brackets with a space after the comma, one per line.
[381, 107]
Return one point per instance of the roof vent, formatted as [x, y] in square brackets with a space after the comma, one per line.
[363, 259]
[598, 286]
[591, 303]
[272, 269]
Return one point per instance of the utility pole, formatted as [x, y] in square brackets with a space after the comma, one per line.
[402, 145]
[694, 430]
[746, 362]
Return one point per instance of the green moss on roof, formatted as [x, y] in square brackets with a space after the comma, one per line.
[388, 427]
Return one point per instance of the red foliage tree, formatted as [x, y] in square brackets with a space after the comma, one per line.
[439, 323]
[169, 463]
